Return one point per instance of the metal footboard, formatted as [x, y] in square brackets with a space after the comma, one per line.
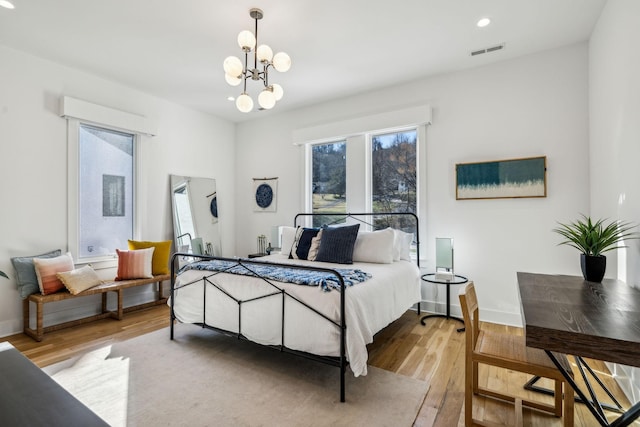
[388, 220]
[340, 361]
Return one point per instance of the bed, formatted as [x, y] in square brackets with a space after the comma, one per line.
[318, 308]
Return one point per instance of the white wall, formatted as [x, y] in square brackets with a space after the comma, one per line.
[614, 88]
[33, 151]
[531, 106]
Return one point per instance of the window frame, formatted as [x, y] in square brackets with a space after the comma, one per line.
[73, 179]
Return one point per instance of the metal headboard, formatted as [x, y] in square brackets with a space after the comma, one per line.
[377, 220]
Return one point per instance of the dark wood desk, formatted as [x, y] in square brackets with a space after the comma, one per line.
[569, 315]
[29, 397]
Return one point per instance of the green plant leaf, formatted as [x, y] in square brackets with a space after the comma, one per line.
[595, 238]
[3, 274]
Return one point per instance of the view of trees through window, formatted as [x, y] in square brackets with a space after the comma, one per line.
[329, 178]
[393, 176]
[393, 173]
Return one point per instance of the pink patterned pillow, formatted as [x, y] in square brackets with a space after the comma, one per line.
[46, 269]
[135, 264]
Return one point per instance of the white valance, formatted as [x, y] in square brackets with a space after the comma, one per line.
[98, 114]
[373, 123]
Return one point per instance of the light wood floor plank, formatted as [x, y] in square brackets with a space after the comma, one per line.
[434, 353]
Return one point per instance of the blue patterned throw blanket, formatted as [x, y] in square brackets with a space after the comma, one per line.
[325, 280]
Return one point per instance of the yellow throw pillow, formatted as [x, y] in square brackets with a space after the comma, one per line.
[161, 254]
[80, 279]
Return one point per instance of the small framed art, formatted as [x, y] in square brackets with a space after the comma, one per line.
[265, 191]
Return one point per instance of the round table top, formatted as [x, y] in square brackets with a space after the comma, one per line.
[457, 279]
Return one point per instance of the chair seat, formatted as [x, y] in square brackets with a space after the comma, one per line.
[515, 353]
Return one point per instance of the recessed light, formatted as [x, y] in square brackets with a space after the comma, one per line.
[483, 22]
[7, 4]
[230, 98]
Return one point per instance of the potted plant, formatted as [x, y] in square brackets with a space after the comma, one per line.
[3, 274]
[592, 239]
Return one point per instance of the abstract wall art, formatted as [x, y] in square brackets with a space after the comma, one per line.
[502, 179]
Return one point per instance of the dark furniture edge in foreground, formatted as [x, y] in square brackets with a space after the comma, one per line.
[21, 382]
[568, 314]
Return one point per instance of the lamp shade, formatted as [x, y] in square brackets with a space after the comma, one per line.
[232, 66]
[246, 40]
[266, 99]
[233, 81]
[264, 52]
[277, 91]
[281, 62]
[244, 103]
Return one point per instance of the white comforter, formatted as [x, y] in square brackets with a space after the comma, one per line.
[370, 306]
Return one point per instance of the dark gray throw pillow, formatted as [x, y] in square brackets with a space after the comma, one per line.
[337, 244]
[26, 278]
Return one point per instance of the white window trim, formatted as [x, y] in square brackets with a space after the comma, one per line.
[356, 131]
[80, 112]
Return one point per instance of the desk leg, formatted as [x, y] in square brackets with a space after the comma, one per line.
[594, 406]
[445, 316]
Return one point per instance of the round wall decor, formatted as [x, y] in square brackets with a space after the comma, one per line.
[264, 195]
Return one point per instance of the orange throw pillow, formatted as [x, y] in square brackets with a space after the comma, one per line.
[46, 270]
[134, 264]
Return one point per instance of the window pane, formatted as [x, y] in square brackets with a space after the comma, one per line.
[393, 173]
[329, 179]
[105, 191]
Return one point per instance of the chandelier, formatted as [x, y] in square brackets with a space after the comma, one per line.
[236, 73]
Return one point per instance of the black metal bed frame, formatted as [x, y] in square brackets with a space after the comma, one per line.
[339, 361]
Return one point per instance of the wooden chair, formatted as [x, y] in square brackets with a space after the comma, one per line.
[510, 352]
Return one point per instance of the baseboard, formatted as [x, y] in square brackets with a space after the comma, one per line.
[492, 316]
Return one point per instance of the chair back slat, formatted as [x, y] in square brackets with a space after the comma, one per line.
[470, 314]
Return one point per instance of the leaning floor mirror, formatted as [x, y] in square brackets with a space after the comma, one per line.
[195, 215]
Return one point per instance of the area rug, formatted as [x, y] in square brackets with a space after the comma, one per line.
[203, 378]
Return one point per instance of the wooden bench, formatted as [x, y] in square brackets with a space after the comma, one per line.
[108, 286]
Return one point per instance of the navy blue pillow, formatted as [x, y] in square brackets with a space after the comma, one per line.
[302, 243]
[337, 244]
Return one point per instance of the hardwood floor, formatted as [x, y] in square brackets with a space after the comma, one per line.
[433, 353]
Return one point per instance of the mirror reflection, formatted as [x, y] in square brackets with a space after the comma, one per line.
[195, 215]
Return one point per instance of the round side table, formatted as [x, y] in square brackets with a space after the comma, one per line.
[457, 280]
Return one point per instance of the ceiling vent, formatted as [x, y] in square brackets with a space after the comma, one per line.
[487, 50]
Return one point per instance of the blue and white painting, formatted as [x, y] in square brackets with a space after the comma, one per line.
[502, 179]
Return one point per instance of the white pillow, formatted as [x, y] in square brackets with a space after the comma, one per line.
[287, 238]
[374, 246]
[402, 245]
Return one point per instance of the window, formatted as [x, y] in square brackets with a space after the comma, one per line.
[328, 179]
[105, 190]
[104, 167]
[393, 173]
[381, 170]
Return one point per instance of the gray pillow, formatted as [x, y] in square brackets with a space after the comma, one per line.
[338, 246]
[26, 278]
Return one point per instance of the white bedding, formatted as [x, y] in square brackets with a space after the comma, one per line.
[370, 306]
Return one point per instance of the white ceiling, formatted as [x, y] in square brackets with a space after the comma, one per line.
[175, 49]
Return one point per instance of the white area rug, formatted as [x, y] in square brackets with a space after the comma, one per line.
[206, 379]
